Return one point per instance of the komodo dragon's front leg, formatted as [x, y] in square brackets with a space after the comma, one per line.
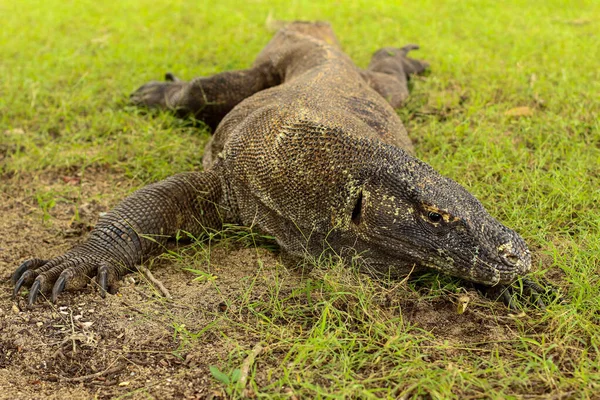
[137, 228]
[207, 99]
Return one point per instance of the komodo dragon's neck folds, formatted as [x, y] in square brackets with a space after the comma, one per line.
[307, 148]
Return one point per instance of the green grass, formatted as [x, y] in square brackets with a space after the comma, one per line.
[68, 66]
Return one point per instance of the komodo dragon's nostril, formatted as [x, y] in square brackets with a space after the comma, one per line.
[511, 258]
[507, 254]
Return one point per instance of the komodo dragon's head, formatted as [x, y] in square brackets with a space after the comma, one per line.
[406, 214]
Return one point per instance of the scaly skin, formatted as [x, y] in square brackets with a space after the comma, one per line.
[308, 149]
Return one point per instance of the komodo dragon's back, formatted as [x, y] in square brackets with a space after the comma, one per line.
[307, 148]
[320, 84]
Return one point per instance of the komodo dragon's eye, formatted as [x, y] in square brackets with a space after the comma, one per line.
[434, 217]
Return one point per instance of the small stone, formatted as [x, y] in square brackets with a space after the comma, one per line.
[15, 309]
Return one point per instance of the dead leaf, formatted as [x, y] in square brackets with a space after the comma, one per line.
[101, 39]
[519, 112]
[71, 180]
[15, 131]
[579, 21]
[463, 302]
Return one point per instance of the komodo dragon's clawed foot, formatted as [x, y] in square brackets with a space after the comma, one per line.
[410, 66]
[70, 271]
[523, 291]
[156, 94]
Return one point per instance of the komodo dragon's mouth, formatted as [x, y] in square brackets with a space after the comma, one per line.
[488, 272]
[389, 255]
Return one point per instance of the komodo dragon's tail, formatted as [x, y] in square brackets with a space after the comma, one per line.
[318, 29]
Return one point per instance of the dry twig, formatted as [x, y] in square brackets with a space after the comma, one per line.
[248, 363]
[108, 371]
[156, 282]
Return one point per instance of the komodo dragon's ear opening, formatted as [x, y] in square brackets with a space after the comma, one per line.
[357, 211]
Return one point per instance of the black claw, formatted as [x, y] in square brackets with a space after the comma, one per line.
[103, 280]
[536, 291]
[25, 266]
[406, 49]
[533, 286]
[507, 298]
[170, 77]
[540, 303]
[18, 285]
[19, 272]
[59, 286]
[34, 291]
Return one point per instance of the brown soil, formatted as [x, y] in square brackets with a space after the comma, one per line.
[89, 347]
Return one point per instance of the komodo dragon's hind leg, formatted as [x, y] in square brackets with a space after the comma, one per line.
[389, 71]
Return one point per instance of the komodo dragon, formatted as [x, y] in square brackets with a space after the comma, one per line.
[308, 149]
